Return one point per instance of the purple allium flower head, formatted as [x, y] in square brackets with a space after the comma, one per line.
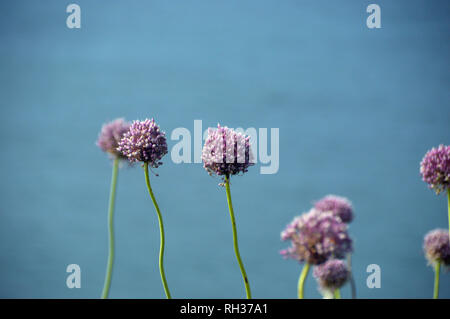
[110, 136]
[435, 168]
[437, 246]
[226, 152]
[340, 206]
[144, 142]
[332, 274]
[315, 237]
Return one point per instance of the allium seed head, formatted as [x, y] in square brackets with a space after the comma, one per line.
[436, 246]
[315, 237]
[340, 206]
[332, 274]
[435, 168]
[226, 152]
[144, 142]
[110, 136]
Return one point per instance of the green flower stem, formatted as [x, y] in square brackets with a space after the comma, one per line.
[352, 280]
[301, 281]
[448, 204]
[235, 239]
[337, 294]
[161, 230]
[437, 269]
[112, 199]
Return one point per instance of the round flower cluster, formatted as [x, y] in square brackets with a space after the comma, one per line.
[332, 274]
[437, 246]
[340, 206]
[316, 237]
[110, 136]
[144, 142]
[226, 152]
[435, 168]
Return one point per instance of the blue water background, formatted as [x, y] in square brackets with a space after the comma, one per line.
[356, 108]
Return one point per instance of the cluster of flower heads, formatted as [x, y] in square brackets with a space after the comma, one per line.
[340, 206]
[316, 237]
[435, 168]
[226, 152]
[144, 142]
[110, 136]
[437, 246]
[332, 274]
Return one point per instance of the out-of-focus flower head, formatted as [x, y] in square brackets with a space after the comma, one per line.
[340, 206]
[144, 142]
[332, 274]
[110, 136]
[435, 168]
[226, 152]
[436, 246]
[315, 237]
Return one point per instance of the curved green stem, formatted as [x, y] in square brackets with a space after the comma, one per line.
[337, 294]
[302, 279]
[235, 239]
[112, 199]
[352, 280]
[448, 204]
[161, 231]
[437, 269]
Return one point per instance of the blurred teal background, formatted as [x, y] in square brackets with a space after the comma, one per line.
[357, 109]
